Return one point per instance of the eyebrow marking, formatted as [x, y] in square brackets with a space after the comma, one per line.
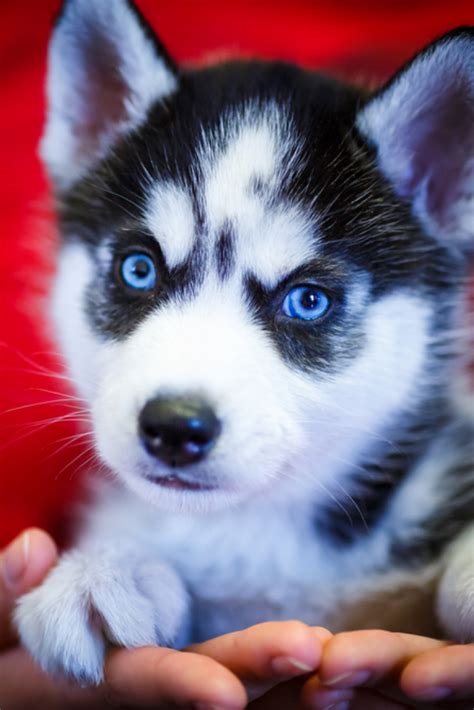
[287, 239]
[170, 217]
[225, 251]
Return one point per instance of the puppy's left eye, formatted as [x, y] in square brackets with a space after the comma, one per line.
[306, 302]
[138, 271]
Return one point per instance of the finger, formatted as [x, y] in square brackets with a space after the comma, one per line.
[272, 650]
[264, 655]
[443, 673]
[151, 675]
[23, 565]
[368, 657]
[23, 685]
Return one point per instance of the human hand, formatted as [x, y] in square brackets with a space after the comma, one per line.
[215, 673]
[211, 674]
[23, 565]
[382, 670]
[178, 676]
[258, 658]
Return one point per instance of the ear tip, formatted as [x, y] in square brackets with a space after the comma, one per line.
[456, 51]
[462, 31]
[452, 52]
[68, 7]
[88, 6]
[459, 38]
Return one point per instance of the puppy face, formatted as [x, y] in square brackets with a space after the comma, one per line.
[230, 242]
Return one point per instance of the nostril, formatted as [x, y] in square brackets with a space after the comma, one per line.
[178, 431]
[150, 430]
[200, 439]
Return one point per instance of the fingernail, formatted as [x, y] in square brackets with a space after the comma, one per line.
[348, 680]
[286, 666]
[435, 693]
[15, 560]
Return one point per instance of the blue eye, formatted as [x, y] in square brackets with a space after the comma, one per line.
[306, 303]
[138, 271]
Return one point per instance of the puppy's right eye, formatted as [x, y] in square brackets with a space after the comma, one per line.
[306, 302]
[138, 271]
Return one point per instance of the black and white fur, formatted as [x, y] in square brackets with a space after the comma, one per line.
[342, 487]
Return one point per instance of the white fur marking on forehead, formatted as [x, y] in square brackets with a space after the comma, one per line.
[252, 153]
[243, 187]
[170, 219]
[252, 143]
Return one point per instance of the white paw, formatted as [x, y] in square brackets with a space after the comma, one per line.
[89, 600]
[456, 590]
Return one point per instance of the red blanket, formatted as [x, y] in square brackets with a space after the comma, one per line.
[40, 468]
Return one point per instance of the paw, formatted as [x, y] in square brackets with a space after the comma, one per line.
[456, 590]
[88, 601]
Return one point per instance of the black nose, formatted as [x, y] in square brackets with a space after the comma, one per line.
[179, 431]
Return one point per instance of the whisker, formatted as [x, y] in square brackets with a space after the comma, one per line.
[70, 441]
[64, 394]
[355, 504]
[36, 428]
[31, 405]
[336, 501]
[73, 461]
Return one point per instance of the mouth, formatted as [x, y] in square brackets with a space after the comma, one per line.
[176, 482]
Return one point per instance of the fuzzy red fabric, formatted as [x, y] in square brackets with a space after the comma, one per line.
[40, 469]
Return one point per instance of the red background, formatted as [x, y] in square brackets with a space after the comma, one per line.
[39, 470]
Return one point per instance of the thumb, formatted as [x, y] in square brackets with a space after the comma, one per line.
[23, 565]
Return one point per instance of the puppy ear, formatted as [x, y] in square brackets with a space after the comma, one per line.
[106, 69]
[422, 127]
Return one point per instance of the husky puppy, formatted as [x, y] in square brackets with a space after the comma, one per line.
[259, 294]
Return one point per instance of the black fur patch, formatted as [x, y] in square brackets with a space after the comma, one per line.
[431, 534]
[225, 252]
